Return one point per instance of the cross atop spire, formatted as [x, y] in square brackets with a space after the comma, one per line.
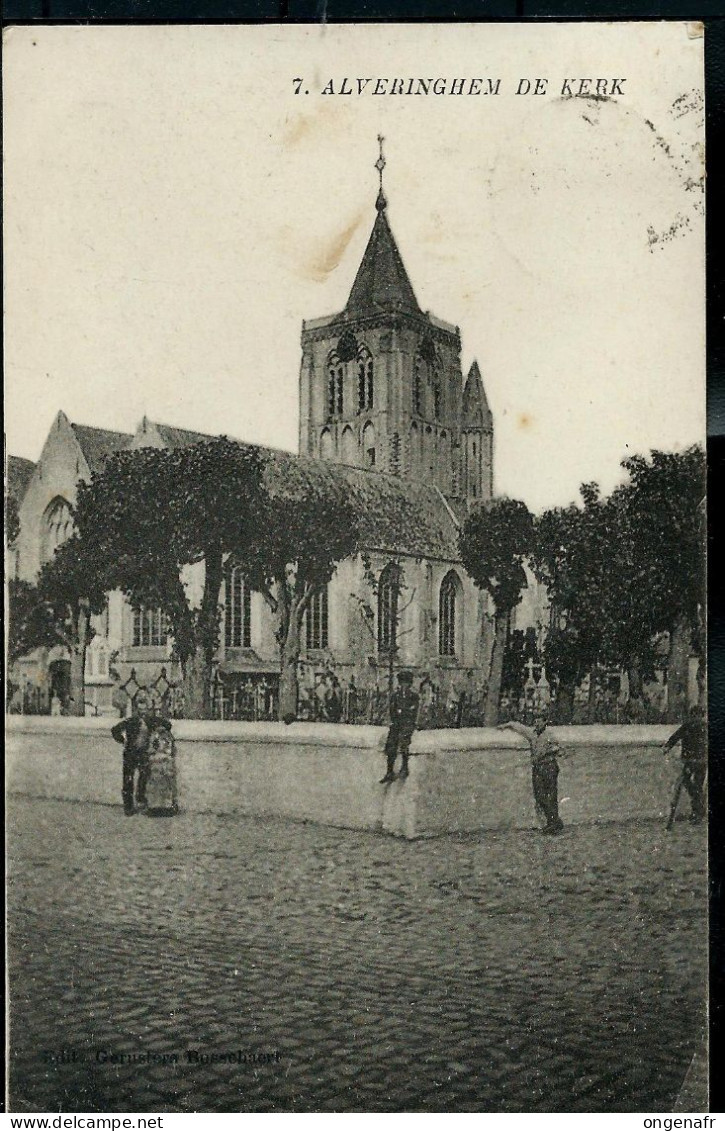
[381, 203]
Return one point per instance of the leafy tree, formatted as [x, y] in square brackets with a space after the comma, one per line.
[58, 610]
[621, 571]
[28, 623]
[154, 513]
[72, 589]
[151, 514]
[308, 521]
[658, 562]
[494, 542]
[12, 520]
[572, 556]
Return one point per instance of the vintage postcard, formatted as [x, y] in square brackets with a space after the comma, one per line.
[355, 510]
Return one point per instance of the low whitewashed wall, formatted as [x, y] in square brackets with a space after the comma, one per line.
[460, 780]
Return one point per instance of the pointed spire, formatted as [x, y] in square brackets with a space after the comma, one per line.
[476, 410]
[381, 203]
[381, 281]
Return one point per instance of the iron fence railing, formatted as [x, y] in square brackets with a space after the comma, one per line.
[257, 700]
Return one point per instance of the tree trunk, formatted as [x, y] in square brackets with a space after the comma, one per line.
[290, 654]
[493, 693]
[634, 677]
[209, 627]
[565, 703]
[591, 697]
[195, 685]
[677, 669]
[77, 705]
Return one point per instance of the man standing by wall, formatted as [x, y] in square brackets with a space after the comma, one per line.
[135, 734]
[544, 769]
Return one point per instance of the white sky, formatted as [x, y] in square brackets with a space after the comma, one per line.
[173, 211]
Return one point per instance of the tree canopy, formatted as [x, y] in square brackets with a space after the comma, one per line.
[58, 608]
[12, 520]
[622, 570]
[152, 513]
[571, 555]
[495, 541]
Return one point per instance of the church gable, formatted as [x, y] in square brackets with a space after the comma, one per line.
[71, 453]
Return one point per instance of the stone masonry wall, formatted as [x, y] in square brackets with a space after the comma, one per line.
[460, 780]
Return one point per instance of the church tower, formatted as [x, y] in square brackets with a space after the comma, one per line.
[381, 384]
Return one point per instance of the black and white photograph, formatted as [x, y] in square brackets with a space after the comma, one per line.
[355, 504]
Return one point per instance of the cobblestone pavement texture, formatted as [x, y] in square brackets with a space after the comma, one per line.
[505, 972]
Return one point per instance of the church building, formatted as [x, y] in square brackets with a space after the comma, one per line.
[383, 396]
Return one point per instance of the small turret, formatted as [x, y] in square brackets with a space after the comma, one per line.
[476, 439]
[475, 403]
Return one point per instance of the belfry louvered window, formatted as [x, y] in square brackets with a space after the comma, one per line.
[336, 389]
[365, 381]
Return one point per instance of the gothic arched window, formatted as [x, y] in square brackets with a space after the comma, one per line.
[237, 611]
[316, 621]
[326, 444]
[447, 614]
[349, 446]
[389, 587]
[365, 380]
[57, 527]
[339, 389]
[331, 391]
[335, 386]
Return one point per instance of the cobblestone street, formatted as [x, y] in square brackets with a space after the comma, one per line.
[506, 972]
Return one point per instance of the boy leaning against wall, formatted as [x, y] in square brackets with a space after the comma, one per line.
[544, 769]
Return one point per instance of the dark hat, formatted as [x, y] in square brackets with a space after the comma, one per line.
[405, 677]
